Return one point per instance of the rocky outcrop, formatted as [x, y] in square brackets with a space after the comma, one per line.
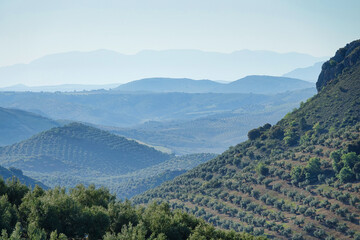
[343, 60]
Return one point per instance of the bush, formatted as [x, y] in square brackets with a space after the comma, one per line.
[254, 134]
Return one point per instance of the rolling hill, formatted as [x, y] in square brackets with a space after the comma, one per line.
[310, 74]
[249, 84]
[79, 148]
[77, 153]
[298, 179]
[170, 85]
[215, 132]
[9, 174]
[266, 85]
[17, 125]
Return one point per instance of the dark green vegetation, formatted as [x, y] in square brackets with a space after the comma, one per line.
[13, 173]
[76, 153]
[17, 125]
[249, 84]
[298, 179]
[54, 214]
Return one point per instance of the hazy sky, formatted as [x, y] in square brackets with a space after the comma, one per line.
[33, 28]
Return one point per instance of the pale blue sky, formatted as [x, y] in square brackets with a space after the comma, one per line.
[33, 28]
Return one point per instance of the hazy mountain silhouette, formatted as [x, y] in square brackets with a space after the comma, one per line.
[310, 74]
[104, 66]
[249, 84]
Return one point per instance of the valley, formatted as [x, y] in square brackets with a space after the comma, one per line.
[179, 120]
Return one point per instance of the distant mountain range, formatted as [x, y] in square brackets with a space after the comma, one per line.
[249, 84]
[214, 132]
[60, 88]
[310, 74]
[115, 108]
[104, 66]
[17, 125]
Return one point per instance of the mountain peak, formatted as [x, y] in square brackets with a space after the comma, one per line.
[344, 58]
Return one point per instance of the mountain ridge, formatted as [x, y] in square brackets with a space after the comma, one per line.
[290, 180]
[259, 84]
[110, 67]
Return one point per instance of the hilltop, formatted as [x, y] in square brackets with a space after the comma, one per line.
[310, 74]
[17, 125]
[79, 148]
[297, 179]
[77, 153]
[250, 84]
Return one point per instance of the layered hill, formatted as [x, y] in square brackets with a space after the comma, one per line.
[216, 132]
[107, 66]
[9, 174]
[310, 74]
[298, 179]
[114, 108]
[79, 148]
[17, 125]
[249, 84]
[77, 153]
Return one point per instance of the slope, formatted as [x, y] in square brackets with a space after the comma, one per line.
[297, 179]
[9, 174]
[249, 84]
[265, 85]
[308, 73]
[170, 85]
[216, 132]
[114, 108]
[81, 149]
[17, 125]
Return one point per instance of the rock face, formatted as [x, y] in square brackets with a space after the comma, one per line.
[343, 59]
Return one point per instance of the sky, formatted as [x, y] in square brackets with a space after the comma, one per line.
[30, 29]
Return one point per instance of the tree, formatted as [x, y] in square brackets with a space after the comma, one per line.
[290, 137]
[337, 164]
[254, 134]
[8, 217]
[297, 173]
[346, 175]
[262, 169]
[313, 169]
[350, 159]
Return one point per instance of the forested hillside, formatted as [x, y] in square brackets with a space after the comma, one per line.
[77, 153]
[298, 179]
[90, 213]
[17, 125]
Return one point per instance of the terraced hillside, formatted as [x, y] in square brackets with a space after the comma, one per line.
[298, 179]
[81, 149]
